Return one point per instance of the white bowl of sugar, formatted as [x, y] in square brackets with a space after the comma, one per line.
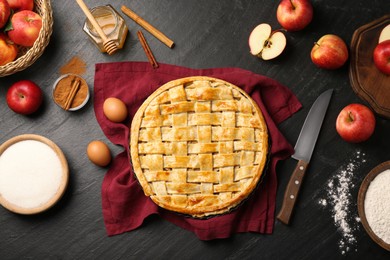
[34, 174]
[374, 204]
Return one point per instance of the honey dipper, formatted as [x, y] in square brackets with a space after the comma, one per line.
[108, 44]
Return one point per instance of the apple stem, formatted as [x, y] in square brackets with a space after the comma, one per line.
[316, 43]
[350, 117]
[293, 6]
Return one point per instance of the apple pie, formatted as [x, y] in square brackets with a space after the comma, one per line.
[198, 146]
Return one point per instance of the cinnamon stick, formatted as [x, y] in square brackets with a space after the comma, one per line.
[72, 93]
[147, 26]
[147, 50]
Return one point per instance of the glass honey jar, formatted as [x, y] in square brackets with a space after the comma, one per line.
[112, 24]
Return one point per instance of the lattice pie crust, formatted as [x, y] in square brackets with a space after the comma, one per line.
[198, 146]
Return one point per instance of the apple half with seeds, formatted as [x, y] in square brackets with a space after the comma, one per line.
[265, 43]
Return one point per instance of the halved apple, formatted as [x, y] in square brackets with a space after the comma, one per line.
[265, 43]
[385, 34]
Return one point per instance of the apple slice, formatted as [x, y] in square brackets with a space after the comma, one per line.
[275, 46]
[258, 37]
[265, 43]
[385, 34]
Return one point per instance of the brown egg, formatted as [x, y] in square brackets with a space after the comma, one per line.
[115, 109]
[99, 153]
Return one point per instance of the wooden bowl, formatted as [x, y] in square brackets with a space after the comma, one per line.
[361, 198]
[45, 205]
[27, 56]
[366, 80]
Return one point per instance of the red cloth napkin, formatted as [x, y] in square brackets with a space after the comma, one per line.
[125, 206]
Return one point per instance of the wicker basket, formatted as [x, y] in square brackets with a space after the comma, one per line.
[28, 56]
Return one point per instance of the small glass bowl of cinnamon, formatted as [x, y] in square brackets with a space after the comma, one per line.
[70, 92]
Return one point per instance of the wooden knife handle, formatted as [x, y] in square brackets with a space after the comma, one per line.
[291, 193]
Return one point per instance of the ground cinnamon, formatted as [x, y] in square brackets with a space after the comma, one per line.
[64, 86]
[75, 65]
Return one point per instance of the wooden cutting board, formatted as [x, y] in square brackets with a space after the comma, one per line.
[367, 81]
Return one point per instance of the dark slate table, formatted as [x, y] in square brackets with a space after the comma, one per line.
[207, 34]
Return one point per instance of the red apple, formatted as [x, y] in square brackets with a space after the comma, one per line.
[8, 50]
[381, 57]
[26, 26]
[294, 15]
[5, 12]
[355, 123]
[24, 97]
[329, 52]
[19, 5]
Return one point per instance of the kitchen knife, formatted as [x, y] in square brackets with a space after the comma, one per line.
[303, 151]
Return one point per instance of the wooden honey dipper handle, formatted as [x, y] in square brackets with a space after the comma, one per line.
[109, 45]
[92, 19]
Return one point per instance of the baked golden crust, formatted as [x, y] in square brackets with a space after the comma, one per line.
[198, 146]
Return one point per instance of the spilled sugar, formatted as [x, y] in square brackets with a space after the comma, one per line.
[339, 199]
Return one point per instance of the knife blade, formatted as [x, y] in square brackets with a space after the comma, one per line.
[303, 151]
